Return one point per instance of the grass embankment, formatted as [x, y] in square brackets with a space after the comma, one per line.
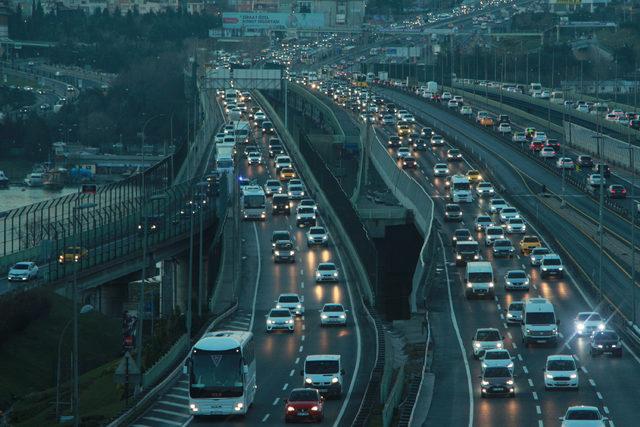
[29, 361]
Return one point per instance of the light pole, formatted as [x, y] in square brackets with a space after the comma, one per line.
[145, 226]
[632, 162]
[85, 309]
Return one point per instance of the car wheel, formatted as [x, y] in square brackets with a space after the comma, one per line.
[482, 394]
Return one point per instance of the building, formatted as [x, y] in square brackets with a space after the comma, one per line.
[260, 17]
[568, 6]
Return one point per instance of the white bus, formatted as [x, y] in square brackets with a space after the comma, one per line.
[460, 189]
[222, 373]
[253, 202]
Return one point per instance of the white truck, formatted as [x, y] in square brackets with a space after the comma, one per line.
[383, 76]
[460, 189]
[224, 157]
[432, 87]
[479, 279]
[539, 322]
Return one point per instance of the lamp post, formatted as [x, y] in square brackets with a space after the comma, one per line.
[83, 310]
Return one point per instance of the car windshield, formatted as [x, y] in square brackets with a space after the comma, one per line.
[497, 355]
[544, 318]
[289, 298]
[530, 240]
[516, 221]
[498, 202]
[488, 335]
[453, 208]
[305, 210]
[589, 316]
[551, 261]
[484, 185]
[284, 245]
[582, 414]
[484, 219]
[308, 395]
[283, 235]
[333, 307]
[516, 306]
[497, 372]
[321, 366]
[326, 267]
[561, 365]
[508, 211]
[21, 267]
[540, 251]
[462, 233]
[280, 313]
[517, 275]
[502, 243]
[608, 336]
[316, 231]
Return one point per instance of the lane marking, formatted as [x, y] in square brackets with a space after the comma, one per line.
[513, 344]
[300, 349]
[592, 382]
[504, 324]
[519, 357]
[454, 321]
[284, 387]
[509, 335]
[538, 410]
[535, 395]
[524, 368]
[606, 410]
[303, 338]
[540, 423]
[291, 373]
[256, 285]
[530, 382]
[275, 402]
[297, 361]
[584, 369]
[599, 395]
[266, 417]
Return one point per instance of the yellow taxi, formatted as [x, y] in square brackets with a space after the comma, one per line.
[72, 254]
[474, 176]
[486, 121]
[528, 243]
[287, 174]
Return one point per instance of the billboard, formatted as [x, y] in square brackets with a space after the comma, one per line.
[271, 21]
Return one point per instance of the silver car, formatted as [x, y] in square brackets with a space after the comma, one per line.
[537, 254]
[516, 279]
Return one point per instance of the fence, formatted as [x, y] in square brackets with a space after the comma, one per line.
[394, 398]
[610, 149]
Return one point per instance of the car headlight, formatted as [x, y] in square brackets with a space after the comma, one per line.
[334, 380]
[291, 253]
[324, 316]
[238, 406]
[573, 376]
[549, 376]
[314, 408]
[335, 274]
[601, 326]
[290, 409]
[469, 285]
[580, 326]
[458, 256]
[544, 268]
[491, 284]
[308, 380]
[343, 316]
[277, 253]
[510, 365]
[289, 321]
[278, 306]
[509, 382]
[299, 306]
[499, 345]
[193, 407]
[485, 383]
[476, 344]
[560, 268]
[269, 321]
[509, 315]
[599, 345]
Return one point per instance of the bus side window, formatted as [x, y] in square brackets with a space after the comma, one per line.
[249, 353]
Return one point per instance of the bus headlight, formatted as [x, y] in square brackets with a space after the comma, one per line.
[308, 380]
[334, 380]
[193, 407]
[239, 406]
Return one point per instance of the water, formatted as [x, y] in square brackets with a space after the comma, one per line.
[17, 196]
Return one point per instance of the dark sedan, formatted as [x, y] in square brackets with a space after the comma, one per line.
[606, 341]
[617, 191]
[497, 381]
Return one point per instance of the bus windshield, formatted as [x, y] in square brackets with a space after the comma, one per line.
[254, 201]
[216, 373]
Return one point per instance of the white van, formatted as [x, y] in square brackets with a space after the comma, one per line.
[460, 189]
[539, 322]
[535, 88]
[557, 97]
[230, 96]
[323, 372]
[479, 279]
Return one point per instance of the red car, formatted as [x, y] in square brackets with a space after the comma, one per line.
[536, 146]
[617, 191]
[553, 143]
[304, 404]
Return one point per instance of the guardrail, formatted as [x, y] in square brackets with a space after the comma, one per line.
[394, 398]
[425, 369]
[559, 108]
[311, 98]
[140, 405]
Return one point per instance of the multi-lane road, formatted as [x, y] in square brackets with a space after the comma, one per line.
[280, 356]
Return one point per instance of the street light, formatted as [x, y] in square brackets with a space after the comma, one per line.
[84, 310]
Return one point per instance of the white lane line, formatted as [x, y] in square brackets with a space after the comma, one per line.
[606, 410]
[276, 400]
[454, 321]
[509, 335]
[519, 357]
[284, 387]
[163, 421]
[255, 290]
[303, 327]
[301, 285]
[584, 369]
[530, 382]
[175, 405]
[266, 417]
[501, 316]
[540, 423]
[513, 344]
[560, 335]
[599, 395]
[592, 382]
[499, 308]
[496, 298]
[504, 324]
[297, 361]
[575, 356]
[538, 410]
[172, 413]
[291, 373]
[524, 368]
[301, 271]
[523, 267]
[535, 395]
[347, 398]
[303, 338]
[300, 349]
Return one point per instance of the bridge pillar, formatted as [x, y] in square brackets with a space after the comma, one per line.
[111, 297]
[168, 288]
[182, 281]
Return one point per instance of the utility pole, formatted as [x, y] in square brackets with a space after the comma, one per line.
[200, 265]
[599, 137]
[632, 162]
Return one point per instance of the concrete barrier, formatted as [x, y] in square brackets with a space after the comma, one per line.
[152, 375]
[611, 150]
[312, 184]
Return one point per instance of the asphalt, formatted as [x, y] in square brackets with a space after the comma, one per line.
[280, 355]
[604, 382]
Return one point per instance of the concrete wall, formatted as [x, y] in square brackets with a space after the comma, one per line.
[614, 151]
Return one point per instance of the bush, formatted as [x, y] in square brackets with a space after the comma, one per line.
[17, 311]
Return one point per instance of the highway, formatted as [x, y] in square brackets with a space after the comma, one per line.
[605, 382]
[280, 356]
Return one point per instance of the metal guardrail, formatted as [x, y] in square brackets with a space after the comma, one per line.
[394, 398]
[412, 404]
[140, 405]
